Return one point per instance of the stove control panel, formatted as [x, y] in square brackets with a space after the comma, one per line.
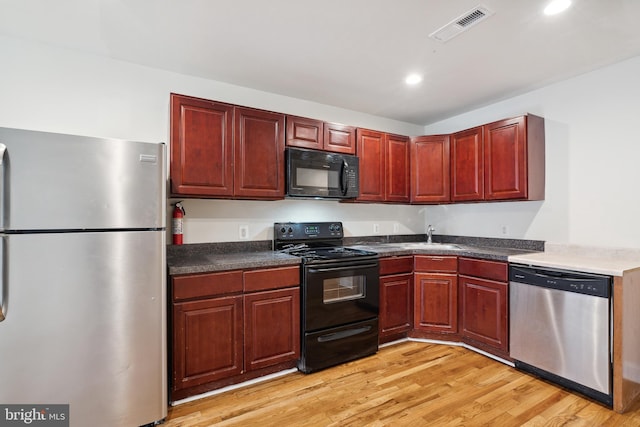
[307, 230]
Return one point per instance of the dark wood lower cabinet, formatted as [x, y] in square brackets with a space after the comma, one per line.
[229, 327]
[436, 302]
[396, 303]
[484, 305]
[484, 311]
[207, 341]
[396, 298]
[271, 327]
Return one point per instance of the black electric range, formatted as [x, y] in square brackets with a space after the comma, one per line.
[339, 289]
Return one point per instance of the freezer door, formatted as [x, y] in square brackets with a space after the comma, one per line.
[84, 325]
[52, 181]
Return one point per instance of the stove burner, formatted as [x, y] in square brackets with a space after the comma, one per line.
[330, 253]
[315, 242]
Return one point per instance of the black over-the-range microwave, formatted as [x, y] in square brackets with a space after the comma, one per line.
[320, 174]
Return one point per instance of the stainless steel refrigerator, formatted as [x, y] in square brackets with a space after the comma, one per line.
[83, 285]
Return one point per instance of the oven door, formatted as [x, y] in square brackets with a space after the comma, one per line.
[339, 293]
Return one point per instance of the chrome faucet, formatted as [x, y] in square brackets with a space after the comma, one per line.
[430, 231]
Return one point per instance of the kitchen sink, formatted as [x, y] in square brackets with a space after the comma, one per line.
[380, 246]
[434, 246]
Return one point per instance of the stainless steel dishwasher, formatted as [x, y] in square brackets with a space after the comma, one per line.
[560, 328]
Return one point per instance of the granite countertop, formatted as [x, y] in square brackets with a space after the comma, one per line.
[211, 257]
[203, 263]
[483, 252]
[613, 262]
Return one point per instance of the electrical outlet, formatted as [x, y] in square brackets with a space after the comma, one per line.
[505, 230]
[243, 232]
[396, 227]
[376, 228]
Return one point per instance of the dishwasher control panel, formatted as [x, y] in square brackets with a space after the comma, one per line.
[563, 280]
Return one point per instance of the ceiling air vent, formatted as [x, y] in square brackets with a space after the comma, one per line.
[461, 23]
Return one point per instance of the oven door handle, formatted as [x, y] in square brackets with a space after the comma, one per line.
[343, 334]
[330, 269]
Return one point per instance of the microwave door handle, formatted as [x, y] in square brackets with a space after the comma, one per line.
[344, 178]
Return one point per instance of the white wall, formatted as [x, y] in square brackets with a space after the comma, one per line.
[592, 164]
[593, 148]
[220, 220]
[58, 90]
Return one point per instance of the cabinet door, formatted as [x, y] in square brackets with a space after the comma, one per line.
[396, 302]
[435, 264]
[397, 168]
[201, 147]
[339, 138]
[505, 159]
[305, 133]
[259, 154]
[207, 341]
[430, 165]
[396, 265]
[467, 176]
[436, 302]
[272, 327]
[372, 165]
[484, 311]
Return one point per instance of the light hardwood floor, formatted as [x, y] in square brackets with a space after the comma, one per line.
[407, 384]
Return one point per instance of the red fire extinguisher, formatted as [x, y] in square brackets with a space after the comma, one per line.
[177, 222]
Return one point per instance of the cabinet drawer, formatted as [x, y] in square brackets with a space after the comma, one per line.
[493, 270]
[395, 265]
[436, 263]
[272, 278]
[206, 285]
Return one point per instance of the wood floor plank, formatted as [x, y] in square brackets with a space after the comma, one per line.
[406, 384]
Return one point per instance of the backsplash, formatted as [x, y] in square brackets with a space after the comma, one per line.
[267, 245]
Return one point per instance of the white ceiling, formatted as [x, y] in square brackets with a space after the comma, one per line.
[352, 54]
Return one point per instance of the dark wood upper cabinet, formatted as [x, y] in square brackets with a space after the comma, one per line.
[384, 166]
[430, 169]
[305, 133]
[514, 159]
[467, 162]
[370, 149]
[397, 174]
[317, 135]
[503, 160]
[201, 147]
[222, 150]
[259, 154]
[339, 138]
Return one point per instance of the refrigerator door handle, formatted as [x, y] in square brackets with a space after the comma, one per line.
[3, 292]
[3, 279]
[3, 151]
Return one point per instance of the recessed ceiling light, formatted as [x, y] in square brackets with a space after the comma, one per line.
[557, 6]
[413, 79]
